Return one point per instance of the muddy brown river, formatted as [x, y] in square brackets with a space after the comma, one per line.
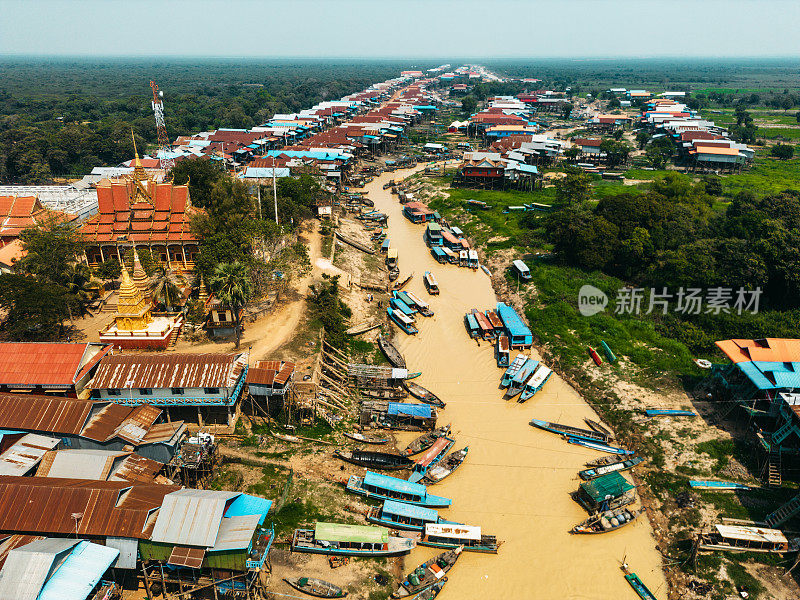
[516, 480]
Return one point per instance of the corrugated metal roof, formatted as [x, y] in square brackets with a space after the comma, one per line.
[37, 363]
[163, 371]
[27, 568]
[191, 517]
[752, 534]
[80, 573]
[341, 532]
[26, 453]
[236, 533]
[80, 464]
[8, 543]
[611, 485]
[44, 413]
[106, 507]
[245, 505]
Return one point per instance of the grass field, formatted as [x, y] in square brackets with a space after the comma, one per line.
[766, 176]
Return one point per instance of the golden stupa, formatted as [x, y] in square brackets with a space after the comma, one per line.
[140, 278]
[133, 308]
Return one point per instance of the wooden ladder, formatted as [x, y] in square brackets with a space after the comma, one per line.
[774, 468]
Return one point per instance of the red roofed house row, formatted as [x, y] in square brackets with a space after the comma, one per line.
[20, 212]
[139, 212]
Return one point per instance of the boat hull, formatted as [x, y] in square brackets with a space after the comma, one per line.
[488, 549]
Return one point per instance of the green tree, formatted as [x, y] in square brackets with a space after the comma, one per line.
[657, 157]
[51, 248]
[165, 287]
[566, 109]
[573, 188]
[201, 174]
[642, 138]
[469, 105]
[35, 309]
[616, 152]
[108, 270]
[231, 285]
[782, 151]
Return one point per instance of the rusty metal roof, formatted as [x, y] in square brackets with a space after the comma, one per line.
[25, 364]
[44, 413]
[163, 371]
[10, 542]
[96, 508]
[101, 465]
[26, 454]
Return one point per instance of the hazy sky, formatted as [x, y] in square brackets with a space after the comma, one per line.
[401, 28]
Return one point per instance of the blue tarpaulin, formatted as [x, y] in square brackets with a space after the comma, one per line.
[412, 410]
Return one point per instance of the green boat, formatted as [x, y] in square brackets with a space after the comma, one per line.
[638, 585]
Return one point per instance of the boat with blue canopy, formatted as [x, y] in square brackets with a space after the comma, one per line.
[535, 383]
[610, 467]
[520, 379]
[699, 484]
[383, 487]
[473, 328]
[399, 304]
[401, 515]
[402, 321]
[513, 369]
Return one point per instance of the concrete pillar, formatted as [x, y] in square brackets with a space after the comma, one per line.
[199, 417]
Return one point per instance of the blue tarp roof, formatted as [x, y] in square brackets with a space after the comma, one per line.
[438, 251]
[309, 154]
[79, 573]
[472, 322]
[245, 505]
[771, 375]
[511, 320]
[393, 483]
[410, 510]
[413, 410]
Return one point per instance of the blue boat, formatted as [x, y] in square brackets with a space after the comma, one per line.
[502, 351]
[430, 457]
[398, 303]
[618, 465]
[472, 325]
[699, 484]
[599, 446]
[663, 412]
[522, 376]
[535, 383]
[385, 246]
[638, 585]
[439, 254]
[571, 432]
[512, 370]
[402, 321]
[401, 515]
[383, 487]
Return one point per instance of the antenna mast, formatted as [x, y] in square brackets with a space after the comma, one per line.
[163, 141]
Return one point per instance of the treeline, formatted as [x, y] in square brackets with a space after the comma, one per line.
[60, 119]
[672, 237]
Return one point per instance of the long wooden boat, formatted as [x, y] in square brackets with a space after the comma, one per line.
[521, 378]
[664, 412]
[615, 465]
[350, 540]
[315, 587]
[453, 536]
[430, 458]
[423, 307]
[502, 350]
[378, 486]
[595, 426]
[292, 439]
[423, 394]
[637, 584]
[607, 521]
[366, 438]
[513, 369]
[394, 274]
[401, 515]
[569, 431]
[602, 461]
[363, 327]
[431, 592]
[535, 383]
[446, 467]
[428, 573]
[383, 394]
[400, 284]
[391, 352]
[400, 305]
[699, 484]
[403, 322]
[598, 446]
[384, 461]
[431, 284]
[425, 441]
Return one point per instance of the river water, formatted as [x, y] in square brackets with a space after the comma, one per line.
[516, 480]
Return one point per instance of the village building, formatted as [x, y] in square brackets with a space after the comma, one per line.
[138, 212]
[208, 385]
[270, 378]
[48, 367]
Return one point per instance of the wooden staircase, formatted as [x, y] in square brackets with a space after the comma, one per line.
[784, 513]
[774, 468]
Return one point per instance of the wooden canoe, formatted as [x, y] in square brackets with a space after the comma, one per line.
[365, 438]
[384, 461]
[400, 284]
[425, 441]
[391, 352]
[423, 394]
[446, 467]
[427, 574]
[293, 439]
[315, 587]
[607, 521]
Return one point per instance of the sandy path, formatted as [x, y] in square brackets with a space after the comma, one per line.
[269, 333]
[516, 481]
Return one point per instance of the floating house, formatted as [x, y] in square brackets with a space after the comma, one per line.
[383, 487]
[270, 378]
[518, 333]
[417, 212]
[397, 415]
[433, 234]
[606, 493]
[402, 515]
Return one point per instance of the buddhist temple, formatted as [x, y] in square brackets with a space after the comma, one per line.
[134, 325]
[140, 212]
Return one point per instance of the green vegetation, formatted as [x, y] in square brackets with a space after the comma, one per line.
[327, 308]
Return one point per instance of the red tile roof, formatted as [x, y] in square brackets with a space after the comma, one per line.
[592, 142]
[20, 212]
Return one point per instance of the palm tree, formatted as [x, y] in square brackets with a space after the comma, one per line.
[82, 287]
[232, 286]
[165, 286]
